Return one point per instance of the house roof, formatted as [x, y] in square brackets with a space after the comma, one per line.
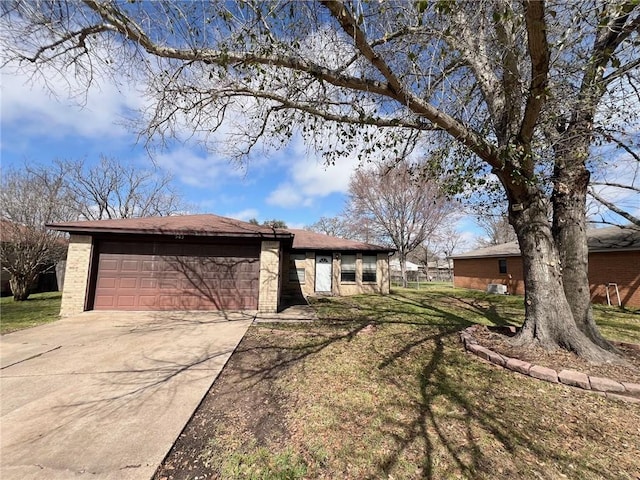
[200, 225]
[209, 225]
[306, 240]
[599, 240]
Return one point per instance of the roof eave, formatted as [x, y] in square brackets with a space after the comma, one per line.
[194, 233]
[343, 249]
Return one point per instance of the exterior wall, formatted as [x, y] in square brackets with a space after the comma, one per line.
[338, 288]
[294, 289]
[336, 271]
[477, 273]
[309, 273]
[76, 278]
[383, 274]
[268, 298]
[622, 267]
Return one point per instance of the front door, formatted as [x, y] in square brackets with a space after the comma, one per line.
[323, 273]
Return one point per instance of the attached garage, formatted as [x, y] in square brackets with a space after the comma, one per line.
[176, 276]
[190, 262]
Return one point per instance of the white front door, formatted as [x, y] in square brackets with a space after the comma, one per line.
[323, 273]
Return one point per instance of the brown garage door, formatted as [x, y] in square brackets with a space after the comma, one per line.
[161, 276]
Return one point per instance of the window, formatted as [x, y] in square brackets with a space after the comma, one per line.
[348, 268]
[296, 268]
[502, 265]
[369, 267]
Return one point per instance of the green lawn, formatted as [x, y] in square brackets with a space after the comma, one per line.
[402, 400]
[38, 309]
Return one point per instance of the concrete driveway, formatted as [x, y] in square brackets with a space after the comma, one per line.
[104, 395]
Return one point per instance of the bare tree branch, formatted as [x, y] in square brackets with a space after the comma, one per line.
[611, 206]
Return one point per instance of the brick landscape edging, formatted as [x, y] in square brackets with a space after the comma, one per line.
[626, 391]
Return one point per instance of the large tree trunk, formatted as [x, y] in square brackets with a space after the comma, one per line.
[402, 260]
[549, 320]
[570, 235]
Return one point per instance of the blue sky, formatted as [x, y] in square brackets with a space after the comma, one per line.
[291, 184]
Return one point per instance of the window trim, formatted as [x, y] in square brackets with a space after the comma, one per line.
[370, 271]
[502, 266]
[297, 274]
[349, 272]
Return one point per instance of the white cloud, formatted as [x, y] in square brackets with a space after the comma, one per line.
[244, 215]
[56, 112]
[297, 225]
[285, 196]
[197, 169]
[308, 178]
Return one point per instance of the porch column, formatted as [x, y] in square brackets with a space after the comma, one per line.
[76, 277]
[269, 295]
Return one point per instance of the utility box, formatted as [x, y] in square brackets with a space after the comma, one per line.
[497, 288]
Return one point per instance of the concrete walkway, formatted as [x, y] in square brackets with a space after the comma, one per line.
[294, 313]
[104, 395]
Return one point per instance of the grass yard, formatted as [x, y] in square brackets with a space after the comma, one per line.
[381, 388]
[38, 309]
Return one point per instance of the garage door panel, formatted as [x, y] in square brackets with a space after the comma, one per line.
[110, 265]
[130, 265]
[145, 301]
[106, 301]
[107, 282]
[128, 283]
[126, 301]
[148, 283]
[177, 276]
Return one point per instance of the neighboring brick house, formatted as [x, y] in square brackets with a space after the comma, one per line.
[614, 258]
[207, 262]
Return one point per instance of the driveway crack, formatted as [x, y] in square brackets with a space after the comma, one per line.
[31, 357]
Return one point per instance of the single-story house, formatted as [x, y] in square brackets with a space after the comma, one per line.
[394, 265]
[614, 266]
[208, 262]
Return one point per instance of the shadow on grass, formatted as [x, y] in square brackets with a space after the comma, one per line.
[422, 422]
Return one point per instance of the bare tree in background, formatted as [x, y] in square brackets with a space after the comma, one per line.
[438, 247]
[113, 189]
[28, 249]
[497, 229]
[66, 191]
[335, 226]
[404, 207]
[273, 223]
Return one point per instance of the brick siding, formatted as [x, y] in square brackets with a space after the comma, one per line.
[292, 288]
[622, 267]
[76, 277]
[269, 276]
